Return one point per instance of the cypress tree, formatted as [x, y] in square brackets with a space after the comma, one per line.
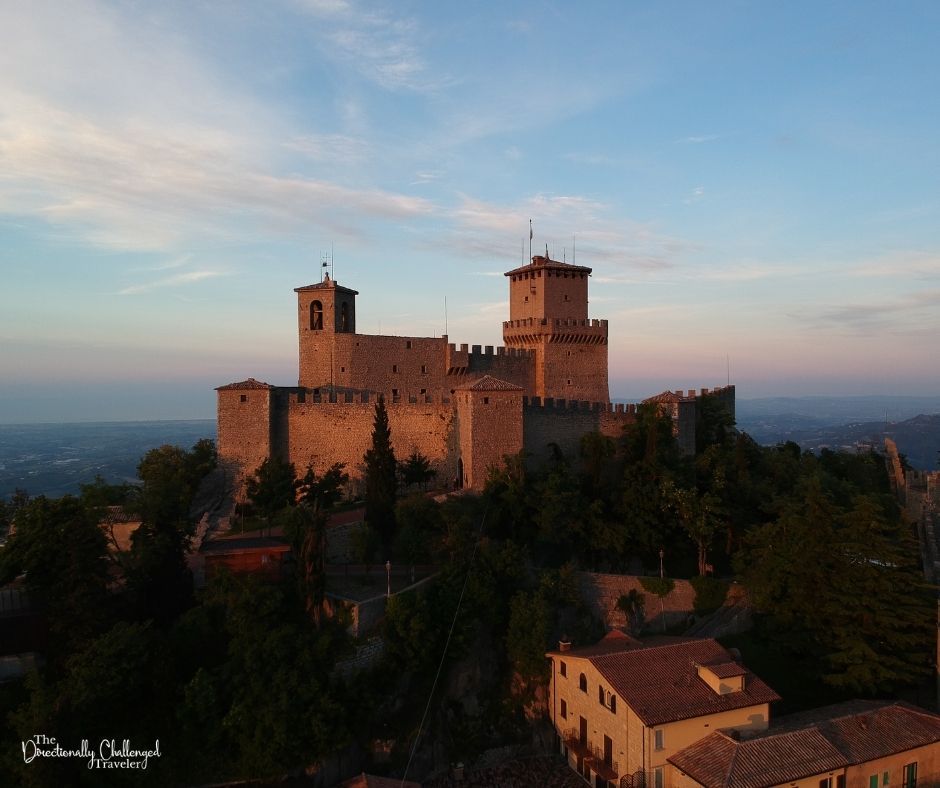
[381, 483]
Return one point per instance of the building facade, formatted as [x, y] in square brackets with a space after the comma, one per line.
[463, 407]
[622, 707]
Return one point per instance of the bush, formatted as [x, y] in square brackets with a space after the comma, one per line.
[661, 586]
[710, 593]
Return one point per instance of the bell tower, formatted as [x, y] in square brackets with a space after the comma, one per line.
[324, 311]
[548, 314]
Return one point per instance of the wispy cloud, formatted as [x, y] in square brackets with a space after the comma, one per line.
[910, 313]
[698, 139]
[334, 148]
[143, 187]
[185, 278]
[904, 264]
[382, 48]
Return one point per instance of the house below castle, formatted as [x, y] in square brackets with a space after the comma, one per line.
[463, 407]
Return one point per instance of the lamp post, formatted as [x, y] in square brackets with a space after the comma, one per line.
[662, 609]
[388, 578]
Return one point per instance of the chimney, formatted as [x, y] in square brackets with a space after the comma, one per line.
[564, 644]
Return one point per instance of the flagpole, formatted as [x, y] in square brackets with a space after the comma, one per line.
[530, 240]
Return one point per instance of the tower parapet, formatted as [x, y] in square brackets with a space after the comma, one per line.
[548, 314]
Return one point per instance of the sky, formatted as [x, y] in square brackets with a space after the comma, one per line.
[754, 184]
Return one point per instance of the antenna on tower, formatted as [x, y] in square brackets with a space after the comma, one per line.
[728, 362]
[445, 317]
[574, 241]
[326, 261]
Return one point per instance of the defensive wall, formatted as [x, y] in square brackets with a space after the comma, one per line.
[406, 366]
[461, 439]
[564, 422]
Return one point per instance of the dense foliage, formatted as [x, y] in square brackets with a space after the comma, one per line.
[241, 679]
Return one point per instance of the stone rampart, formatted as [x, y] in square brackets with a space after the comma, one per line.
[565, 422]
[318, 434]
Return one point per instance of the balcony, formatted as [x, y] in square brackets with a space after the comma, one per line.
[593, 755]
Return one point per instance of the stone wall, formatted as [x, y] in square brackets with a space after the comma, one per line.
[564, 422]
[244, 428]
[322, 433]
[600, 593]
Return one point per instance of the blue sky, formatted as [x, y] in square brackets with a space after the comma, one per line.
[756, 181]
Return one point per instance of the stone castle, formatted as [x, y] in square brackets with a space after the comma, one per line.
[464, 408]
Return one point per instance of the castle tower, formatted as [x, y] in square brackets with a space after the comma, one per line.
[548, 314]
[324, 311]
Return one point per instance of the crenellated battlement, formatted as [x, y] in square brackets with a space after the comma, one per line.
[297, 397]
[533, 322]
[488, 351]
[552, 403]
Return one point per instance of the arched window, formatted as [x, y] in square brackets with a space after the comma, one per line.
[344, 317]
[582, 683]
[316, 316]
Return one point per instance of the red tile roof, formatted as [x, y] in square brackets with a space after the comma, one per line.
[540, 262]
[660, 681]
[667, 396]
[251, 383]
[806, 744]
[326, 284]
[720, 760]
[489, 383]
[371, 781]
[725, 670]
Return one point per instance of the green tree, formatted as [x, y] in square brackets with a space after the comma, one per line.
[158, 573]
[530, 627]
[420, 529]
[416, 470]
[272, 487]
[306, 529]
[842, 585]
[632, 605]
[381, 482]
[63, 553]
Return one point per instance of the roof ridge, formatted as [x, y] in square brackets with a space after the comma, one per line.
[734, 756]
[691, 641]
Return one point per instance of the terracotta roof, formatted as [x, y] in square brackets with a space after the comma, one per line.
[865, 730]
[371, 781]
[719, 760]
[251, 383]
[542, 262]
[489, 383]
[666, 396]
[240, 543]
[725, 670]
[801, 745]
[658, 677]
[326, 284]
[661, 683]
[613, 642]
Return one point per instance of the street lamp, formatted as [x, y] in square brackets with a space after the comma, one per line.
[662, 608]
[388, 578]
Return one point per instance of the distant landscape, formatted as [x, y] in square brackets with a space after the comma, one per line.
[847, 423]
[54, 459]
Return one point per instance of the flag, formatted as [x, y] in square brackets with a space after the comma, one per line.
[530, 229]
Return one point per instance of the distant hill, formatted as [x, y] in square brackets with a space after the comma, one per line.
[54, 459]
[918, 438]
